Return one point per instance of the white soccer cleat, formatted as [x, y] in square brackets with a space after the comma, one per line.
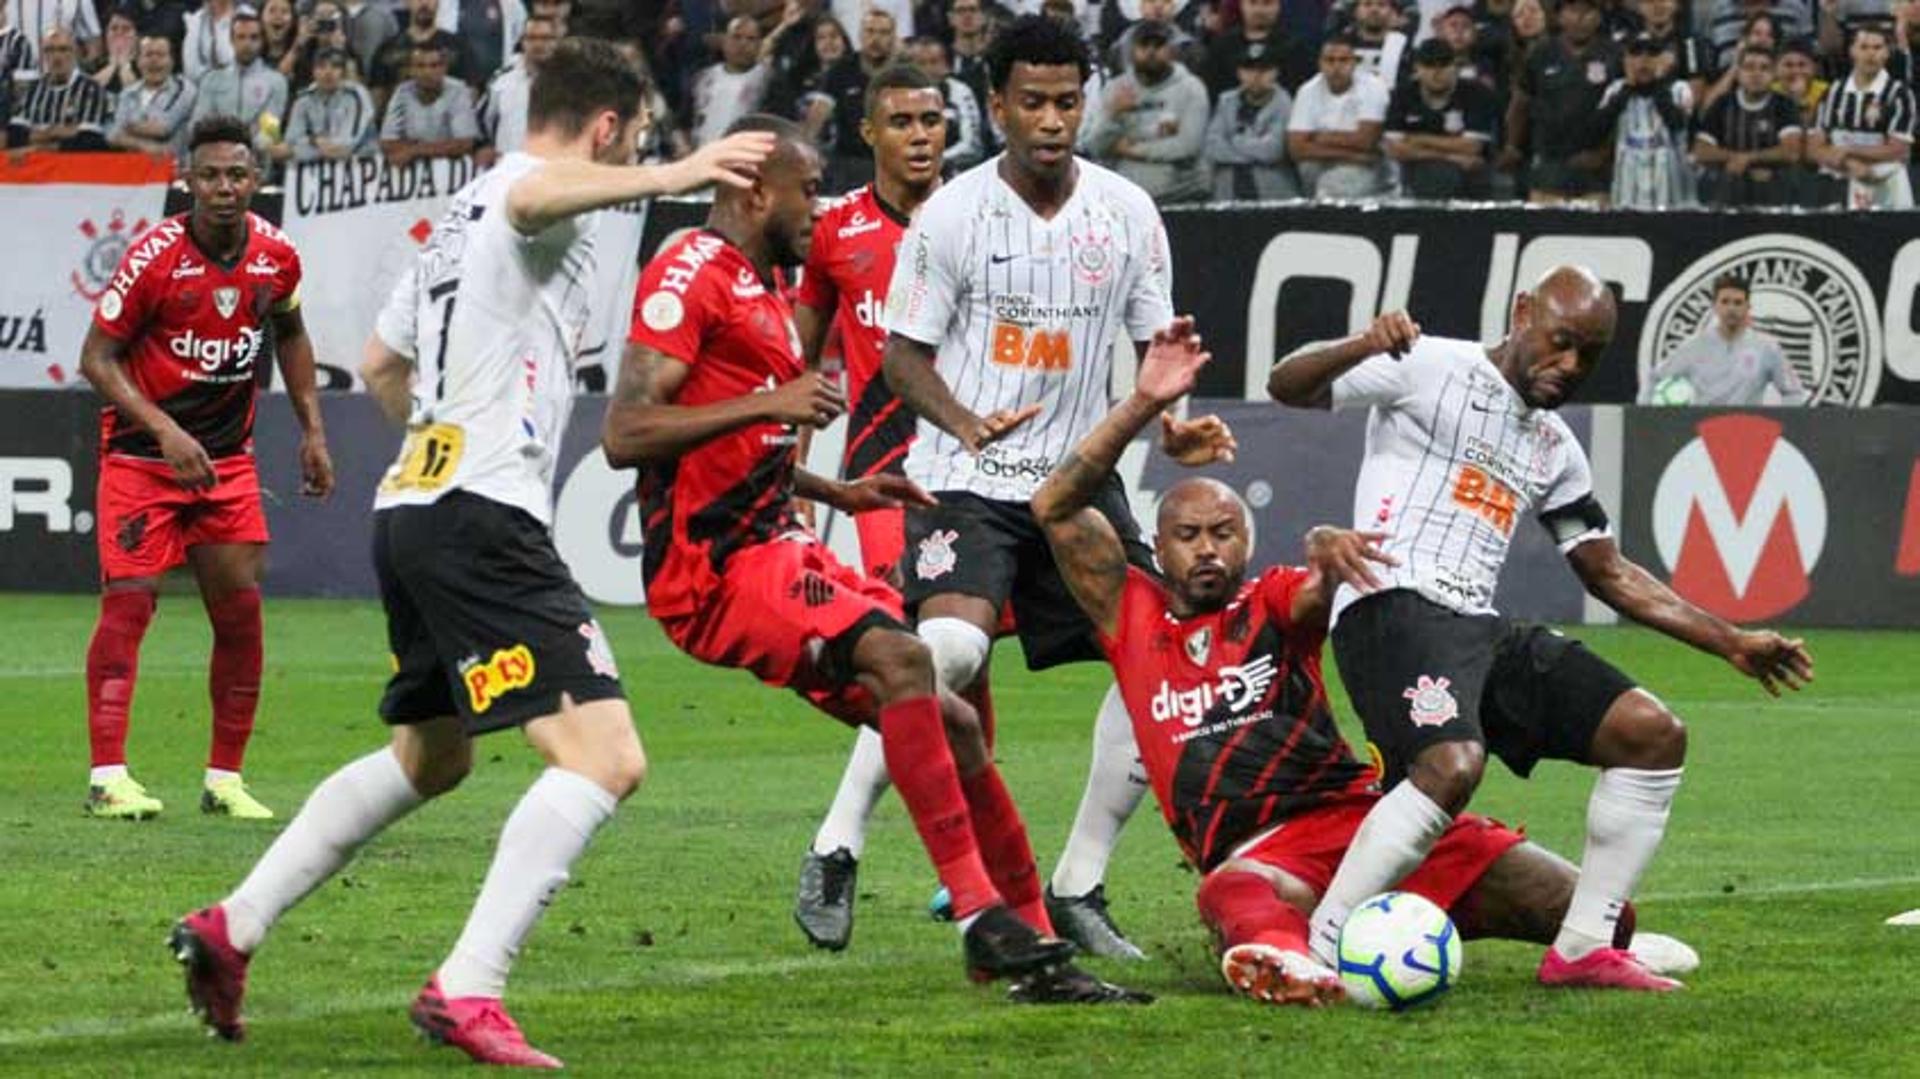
[1277, 976]
[1664, 955]
[1911, 917]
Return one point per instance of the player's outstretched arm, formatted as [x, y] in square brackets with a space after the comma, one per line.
[1085, 545]
[1337, 556]
[1304, 377]
[564, 188]
[1767, 657]
[908, 368]
[102, 363]
[644, 426]
[294, 349]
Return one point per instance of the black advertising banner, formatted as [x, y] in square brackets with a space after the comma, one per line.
[1779, 515]
[48, 469]
[1837, 290]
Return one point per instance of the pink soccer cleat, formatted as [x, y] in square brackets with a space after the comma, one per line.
[1603, 968]
[477, 1026]
[1277, 976]
[216, 970]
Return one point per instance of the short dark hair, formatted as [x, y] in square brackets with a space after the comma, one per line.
[1878, 29]
[1731, 281]
[586, 76]
[1341, 38]
[785, 131]
[219, 128]
[431, 47]
[1753, 50]
[1038, 40]
[897, 77]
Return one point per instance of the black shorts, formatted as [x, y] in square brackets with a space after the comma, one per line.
[995, 550]
[483, 619]
[1420, 673]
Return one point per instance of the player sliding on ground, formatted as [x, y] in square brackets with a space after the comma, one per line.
[488, 630]
[173, 349]
[712, 392]
[1462, 443]
[1222, 683]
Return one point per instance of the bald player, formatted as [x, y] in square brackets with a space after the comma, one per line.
[1462, 440]
[1222, 682]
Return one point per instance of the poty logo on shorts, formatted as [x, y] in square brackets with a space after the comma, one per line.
[1740, 518]
[1432, 703]
[1805, 295]
[1237, 689]
[937, 557]
[506, 670]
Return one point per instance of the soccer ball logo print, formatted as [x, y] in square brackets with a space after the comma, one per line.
[937, 557]
[1432, 703]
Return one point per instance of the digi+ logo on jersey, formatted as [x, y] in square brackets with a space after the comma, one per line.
[1238, 689]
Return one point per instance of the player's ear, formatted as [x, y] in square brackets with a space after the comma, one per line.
[1522, 311]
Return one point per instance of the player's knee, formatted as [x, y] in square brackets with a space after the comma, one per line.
[900, 665]
[959, 650]
[1641, 732]
[625, 770]
[1449, 773]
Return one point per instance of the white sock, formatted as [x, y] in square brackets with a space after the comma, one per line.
[1115, 784]
[861, 787]
[350, 807]
[1395, 838]
[104, 774]
[546, 832]
[218, 775]
[1626, 818]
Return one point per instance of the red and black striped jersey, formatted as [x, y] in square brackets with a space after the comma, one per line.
[1230, 712]
[849, 268]
[701, 302]
[195, 332]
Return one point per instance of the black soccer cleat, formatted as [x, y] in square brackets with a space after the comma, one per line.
[1068, 984]
[824, 907]
[1000, 945]
[1083, 919]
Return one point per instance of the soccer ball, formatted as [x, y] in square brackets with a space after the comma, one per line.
[1677, 390]
[1398, 950]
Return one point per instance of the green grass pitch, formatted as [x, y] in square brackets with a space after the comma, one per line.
[673, 952]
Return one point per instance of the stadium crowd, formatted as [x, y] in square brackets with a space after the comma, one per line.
[1643, 103]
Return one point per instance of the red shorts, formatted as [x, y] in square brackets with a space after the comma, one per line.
[1310, 846]
[883, 535]
[787, 611]
[147, 520]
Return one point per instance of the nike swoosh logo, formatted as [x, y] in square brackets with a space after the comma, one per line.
[1484, 406]
[998, 259]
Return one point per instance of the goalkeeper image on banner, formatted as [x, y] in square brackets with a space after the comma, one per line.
[1728, 362]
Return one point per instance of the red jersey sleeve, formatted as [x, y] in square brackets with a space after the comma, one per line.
[676, 321]
[1278, 588]
[286, 286]
[1140, 593]
[816, 287]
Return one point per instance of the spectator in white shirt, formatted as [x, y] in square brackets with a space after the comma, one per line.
[724, 92]
[1334, 133]
[503, 113]
[209, 40]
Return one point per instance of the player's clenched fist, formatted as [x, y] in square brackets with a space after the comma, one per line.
[1392, 333]
[810, 399]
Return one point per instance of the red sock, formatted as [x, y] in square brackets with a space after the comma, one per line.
[915, 742]
[1004, 846]
[113, 662]
[233, 677]
[1243, 908]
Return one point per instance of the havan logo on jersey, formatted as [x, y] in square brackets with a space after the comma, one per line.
[1238, 689]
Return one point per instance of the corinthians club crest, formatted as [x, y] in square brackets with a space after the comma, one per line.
[1807, 296]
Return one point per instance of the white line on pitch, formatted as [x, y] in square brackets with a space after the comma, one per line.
[1857, 884]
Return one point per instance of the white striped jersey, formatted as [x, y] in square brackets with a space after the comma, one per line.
[493, 320]
[1023, 310]
[1454, 460]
